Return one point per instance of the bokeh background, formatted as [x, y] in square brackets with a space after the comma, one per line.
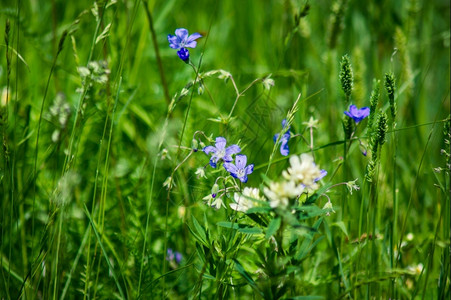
[114, 140]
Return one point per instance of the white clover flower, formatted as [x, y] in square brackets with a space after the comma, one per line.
[304, 171]
[244, 202]
[279, 193]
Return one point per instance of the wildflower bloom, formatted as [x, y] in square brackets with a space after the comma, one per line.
[181, 40]
[329, 208]
[352, 186]
[244, 201]
[217, 203]
[171, 255]
[283, 140]
[213, 201]
[279, 193]
[239, 170]
[357, 114]
[220, 152]
[304, 171]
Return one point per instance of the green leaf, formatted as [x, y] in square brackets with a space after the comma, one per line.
[228, 225]
[107, 259]
[250, 230]
[305, 298]
[342, 226]
[305, 246]
[258, 209]
[199, 233]
[273, 227]
[309, 211]
[246, 276]
[240, 227]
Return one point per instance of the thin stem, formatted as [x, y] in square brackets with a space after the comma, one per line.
[157, 52]
[239, 94]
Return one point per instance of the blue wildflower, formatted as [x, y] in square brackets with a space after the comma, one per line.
[178, 257]
[181, 40]
[357, 114]
[283, 140]
[239, 170]
[220, 152]
[171, 255]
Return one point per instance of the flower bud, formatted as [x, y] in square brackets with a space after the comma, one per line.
[215, 189]
[194, 145]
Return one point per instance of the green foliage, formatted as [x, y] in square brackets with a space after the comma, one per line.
[102, 171]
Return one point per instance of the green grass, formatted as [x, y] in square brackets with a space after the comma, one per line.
[97, 119]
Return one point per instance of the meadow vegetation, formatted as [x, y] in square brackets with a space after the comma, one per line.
[281, 149]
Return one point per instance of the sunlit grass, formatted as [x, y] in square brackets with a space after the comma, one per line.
[102, 171]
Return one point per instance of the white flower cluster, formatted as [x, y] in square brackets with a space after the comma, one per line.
[300, 177]
[245, 201]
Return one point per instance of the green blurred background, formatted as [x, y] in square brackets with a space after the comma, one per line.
[300, 43]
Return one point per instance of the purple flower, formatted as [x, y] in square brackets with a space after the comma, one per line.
[220, 152]
[357, 114]
[178, 257]
[181, 40]
[283, 140]
[183, 53]
[171, 255]
[240, 170]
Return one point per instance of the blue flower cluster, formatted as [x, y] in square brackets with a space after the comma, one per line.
[221, 153]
